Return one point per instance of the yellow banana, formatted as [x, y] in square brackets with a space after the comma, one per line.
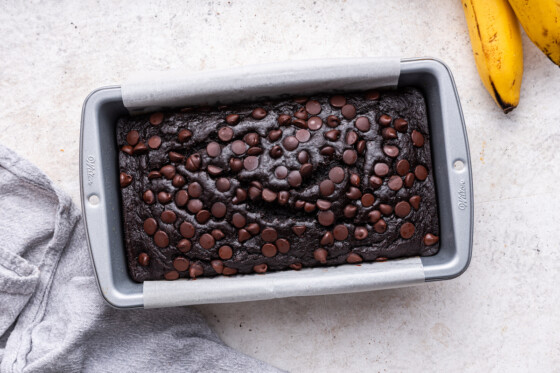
[541, 21]
[496, 44]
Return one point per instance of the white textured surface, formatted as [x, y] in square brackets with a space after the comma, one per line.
[501, 315]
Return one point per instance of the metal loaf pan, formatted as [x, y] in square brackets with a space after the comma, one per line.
[100, 198]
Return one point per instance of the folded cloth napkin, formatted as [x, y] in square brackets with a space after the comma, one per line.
[52, 317]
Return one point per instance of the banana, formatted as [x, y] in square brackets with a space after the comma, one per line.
[496, 44]
[541, 21]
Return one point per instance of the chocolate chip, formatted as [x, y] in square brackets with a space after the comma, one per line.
[350, 211]
[156, 119]
[149, 197]
[327, 239]
[336, 174]
[232, 119]
[225, 252]
[127, 149]
[303, 135]
[385, 209]
[213, 149]
[374, 216]
[299, 230]
[323, 205]
[409, 180]
[281, 172]
[283, 197]
[402, 209]
[229, 271]
[327, 150]
[391, 150]
[243, 235]
[402, 167]
[301, 114]
[351, 137]
[349, 156]
[284, 119]
[181, 264]
[332, 135]
[269, 195]
[253, 228]
[269, 235]
[218, 210]
[276, 151]
[320, 255]
[176, 157]
[238, 220]
[355, 179]
[252, 139]
[354, 258]
[417, 139]
[254, 150]
[223, 184]
[354, 193]
[203, 216]
[333, 121]
[375, 182]
[407, 230]
[294, 178]
[269, 250]
[367, 200]
[309, 207]
[140, 148]
[238, 147]
[400, 124]
[430, 239]
[415, 202]
[194, 205]
[421, 172]
[362, 123]
[183, 136]
[313, 107]
[196, 270]
[337, 101]
[298, 205]
[340, 232]
[348, 111]
[314, 123]
[251, 163]
[206, 241]
[171, 275]
[225, 134]
[385, 120]
[381, 169]
[154, 175]
[372, 95]
[150, 226]
[168, 171]
[300, 99]
[143, 259]
[325, 217]
[240, 196]
[186, 229]
[395, 183]
[125, 179]
[306, 170]
[178, 181]
[195, 189]
[132, 137]
[260, 268]
[193, 162]
[326, 187]
[303, 157]
[290, 143]
[184, 245]
[161, 239]
[389, 133]
[300, 123]
[258, 113]
[164, 197]
[217, 266]
[361, 147]
[283, 245]
[255, 193]
[274, 135]
[380, 226]
[168, 217]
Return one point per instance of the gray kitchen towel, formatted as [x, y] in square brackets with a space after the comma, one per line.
[52, 317]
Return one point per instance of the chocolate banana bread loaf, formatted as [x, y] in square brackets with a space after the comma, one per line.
[301, 182]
